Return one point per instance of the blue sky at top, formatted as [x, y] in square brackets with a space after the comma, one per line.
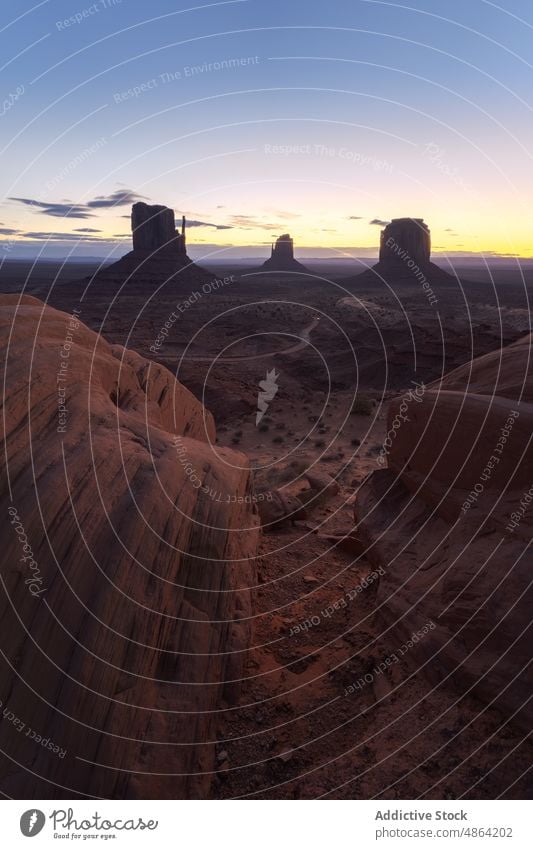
[340, 114]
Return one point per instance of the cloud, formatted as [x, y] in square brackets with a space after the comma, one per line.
[379, 223]
[287, 216]
[87, 230]
[56, 210]
[191, 222]
[59, 237]
[355, 217]
[81, 210]
[118, 198]
[248, 222]
[6, 231]
[212, 246]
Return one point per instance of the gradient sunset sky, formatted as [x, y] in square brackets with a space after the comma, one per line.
[257, 118]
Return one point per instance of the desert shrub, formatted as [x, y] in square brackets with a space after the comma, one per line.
[263, 427]
[362, 406]
[278, 439]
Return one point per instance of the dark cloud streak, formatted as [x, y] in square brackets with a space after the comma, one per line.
[121, 197]
[191, 222]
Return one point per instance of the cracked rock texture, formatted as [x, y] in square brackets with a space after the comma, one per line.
[126, 626]
[450, 522]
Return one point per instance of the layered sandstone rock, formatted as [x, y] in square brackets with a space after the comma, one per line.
[129, 548]
[451, 522]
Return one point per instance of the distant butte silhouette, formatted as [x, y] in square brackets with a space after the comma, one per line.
[405, 253]
[159, 250]
[282, 257]
[154, 229]
[405, 236]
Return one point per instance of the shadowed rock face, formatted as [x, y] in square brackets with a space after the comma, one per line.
[284, 248]
[159, 253]
[282, 256]
[405, 257]
[126, 626]
[404, 240]
[451, 521]
[153, 227]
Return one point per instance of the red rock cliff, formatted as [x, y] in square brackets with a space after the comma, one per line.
[451, 522]
[129, 547]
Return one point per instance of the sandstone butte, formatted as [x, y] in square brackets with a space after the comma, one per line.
[405, 256]
[281, 257]
[466, 568]
[158, 255]
[136, 632]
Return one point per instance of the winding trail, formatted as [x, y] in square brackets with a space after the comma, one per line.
[304, 336]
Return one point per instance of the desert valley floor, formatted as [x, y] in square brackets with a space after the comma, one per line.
[342, 348]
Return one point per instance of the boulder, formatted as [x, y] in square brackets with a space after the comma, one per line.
[451, 522]
[322, 487]
[129, 545]
[277, 508]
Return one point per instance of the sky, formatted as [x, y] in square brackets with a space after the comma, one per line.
[255, 118]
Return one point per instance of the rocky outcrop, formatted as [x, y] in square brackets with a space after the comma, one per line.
[277, 508]
[129, 545]
[154, 228]
[295, 498]
[282, 256]
[405, 239]
[451, 522]
[405, 256]
[159, 252]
